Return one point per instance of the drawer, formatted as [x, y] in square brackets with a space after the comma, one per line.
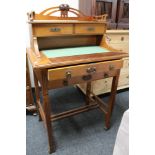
[79, 79]
[116, 38]
[92, 69]
[123, 80]
[124, 47]
[90, 28]
[52, 29]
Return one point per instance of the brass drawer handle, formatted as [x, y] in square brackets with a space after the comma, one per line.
[90, 28]
[87, 77]
[91, 70]
[55, 29]
[68, 75]
[106, 75]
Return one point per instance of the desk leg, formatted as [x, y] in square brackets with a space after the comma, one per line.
[111, 100]
[37, 93]
[47, 111]
[88, 92]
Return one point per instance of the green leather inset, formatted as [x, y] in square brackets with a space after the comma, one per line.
[62, 52]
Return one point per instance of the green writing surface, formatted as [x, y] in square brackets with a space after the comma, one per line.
[62, 52]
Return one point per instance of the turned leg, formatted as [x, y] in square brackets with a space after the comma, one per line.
[47, 111]
[88, 92]
[111, 100]
[37, 93]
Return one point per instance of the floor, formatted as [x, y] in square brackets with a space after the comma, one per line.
[82, 134]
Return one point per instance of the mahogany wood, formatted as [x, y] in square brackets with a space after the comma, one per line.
[111, 99]
[102, 105]
[88, 92]
[29, 97]
[47, 110]
[37, 93]
[73, 112]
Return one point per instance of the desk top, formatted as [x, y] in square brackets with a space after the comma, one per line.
[72, 56]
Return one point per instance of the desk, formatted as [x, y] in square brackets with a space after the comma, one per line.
[71, 50]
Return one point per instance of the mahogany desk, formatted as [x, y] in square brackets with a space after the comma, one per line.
[71, 50]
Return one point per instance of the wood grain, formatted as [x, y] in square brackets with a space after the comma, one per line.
[66, 41]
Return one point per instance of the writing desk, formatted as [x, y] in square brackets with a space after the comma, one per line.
[71, 50]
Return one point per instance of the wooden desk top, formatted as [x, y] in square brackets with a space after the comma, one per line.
[45, 61]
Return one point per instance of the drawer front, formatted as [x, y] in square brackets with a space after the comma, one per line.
[85, 71]
[52, 29]
[90, 28]
[123, 80]
[124, 47]
[118, 38]
[79, 79]
[119, 41]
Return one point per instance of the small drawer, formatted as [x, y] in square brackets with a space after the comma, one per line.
[79, 79]
[124, 47]
[84, 70]
[90, 28]
[116, 38]
[41, 30]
